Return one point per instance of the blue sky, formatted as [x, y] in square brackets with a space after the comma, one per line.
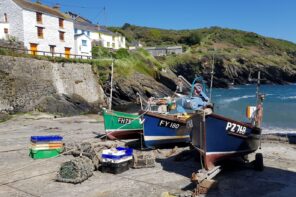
[273, 18]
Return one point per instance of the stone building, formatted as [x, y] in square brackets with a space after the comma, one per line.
[39, 27]
[163, 51]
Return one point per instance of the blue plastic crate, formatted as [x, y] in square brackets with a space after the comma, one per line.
[46, 138]
[128, 152]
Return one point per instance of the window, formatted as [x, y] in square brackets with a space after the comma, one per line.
[5, 30]
[113, 45]
[113, 38]
[76, 31]
[88, 33]
[82, 31]
[108, 44]
[40, 32]
[52, 49]
[39, 17]
[84, 43]
[5, 18]
[61, 23]
[100, 35]
[62, 35]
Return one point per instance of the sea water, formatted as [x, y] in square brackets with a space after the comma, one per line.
[279, 105]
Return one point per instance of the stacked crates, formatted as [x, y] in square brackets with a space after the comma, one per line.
[46, 146]
[117, 160]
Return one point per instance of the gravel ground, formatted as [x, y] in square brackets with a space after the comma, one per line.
[22, 176]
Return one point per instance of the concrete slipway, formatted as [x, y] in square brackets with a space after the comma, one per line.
[22, 176]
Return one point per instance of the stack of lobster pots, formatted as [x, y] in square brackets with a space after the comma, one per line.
[46, 146]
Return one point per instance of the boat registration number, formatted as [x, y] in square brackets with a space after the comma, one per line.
[235, 128]
[168, 124]
[122, 120]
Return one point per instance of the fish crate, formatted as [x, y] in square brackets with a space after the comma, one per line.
[116, 160]
[116, 168]
[144, 160]
[44, 154]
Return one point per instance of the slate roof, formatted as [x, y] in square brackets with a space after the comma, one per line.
[37, 7]
[86, 26]
[104, 30]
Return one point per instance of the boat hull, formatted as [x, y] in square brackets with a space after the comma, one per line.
[162, 130]
[120, 125]
[218, 138]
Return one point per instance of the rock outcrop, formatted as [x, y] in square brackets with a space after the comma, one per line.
[28, 84]
[227, 74]
[125, 89]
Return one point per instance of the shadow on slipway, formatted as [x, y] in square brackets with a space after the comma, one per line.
[237, 178]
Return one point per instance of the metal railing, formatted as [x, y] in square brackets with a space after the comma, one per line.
[45, 53]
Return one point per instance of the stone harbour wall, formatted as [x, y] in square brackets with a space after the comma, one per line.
[27, 84]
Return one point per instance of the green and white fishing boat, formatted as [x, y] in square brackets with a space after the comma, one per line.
[121, 125]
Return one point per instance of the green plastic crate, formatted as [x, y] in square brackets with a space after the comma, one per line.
[43, 154]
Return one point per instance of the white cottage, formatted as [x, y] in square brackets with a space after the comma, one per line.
[99, 34]
[110, 39]
[83, 45]
[39, 27]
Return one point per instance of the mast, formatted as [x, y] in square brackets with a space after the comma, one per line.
[111, 84]
[212, 77]
[258, 86]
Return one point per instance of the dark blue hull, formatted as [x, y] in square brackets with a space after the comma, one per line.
[162, 129]
[219, 137]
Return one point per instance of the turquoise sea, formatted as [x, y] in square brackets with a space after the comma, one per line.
[279, 105]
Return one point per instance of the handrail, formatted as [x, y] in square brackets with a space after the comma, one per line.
[47, 53]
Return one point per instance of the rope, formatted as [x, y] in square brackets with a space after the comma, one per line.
[34, 163]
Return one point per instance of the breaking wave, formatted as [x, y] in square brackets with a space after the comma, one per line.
[237, 98]
[287, 97]
[269, 130]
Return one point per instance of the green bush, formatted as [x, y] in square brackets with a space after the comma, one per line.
[100, 52]
[121, 53]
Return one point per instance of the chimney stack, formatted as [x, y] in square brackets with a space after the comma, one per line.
[57, 6]
[39, 2]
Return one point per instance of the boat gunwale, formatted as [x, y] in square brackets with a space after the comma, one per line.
[167, 117]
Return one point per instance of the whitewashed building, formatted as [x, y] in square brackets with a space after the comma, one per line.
[39, 27]
[83, 45]
[110, 39]
[99, 34]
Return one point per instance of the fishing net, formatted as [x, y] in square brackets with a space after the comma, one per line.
[144, 160]
[76, 170]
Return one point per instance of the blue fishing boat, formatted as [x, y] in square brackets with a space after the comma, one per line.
[162, 129]
[172, 127]
[217, 137]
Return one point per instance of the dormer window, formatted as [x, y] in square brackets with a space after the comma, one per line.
[61, 23]
[5, 18]
[39, 17]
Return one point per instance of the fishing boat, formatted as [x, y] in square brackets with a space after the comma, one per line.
[171, 126]
[217, 137]
[121, 125]
[160, 129]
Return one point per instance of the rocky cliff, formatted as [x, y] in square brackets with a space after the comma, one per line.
[64, 88]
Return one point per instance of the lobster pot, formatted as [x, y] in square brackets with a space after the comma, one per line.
[76, 170]
[144, 160]
[46, 146]
[116, 160]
